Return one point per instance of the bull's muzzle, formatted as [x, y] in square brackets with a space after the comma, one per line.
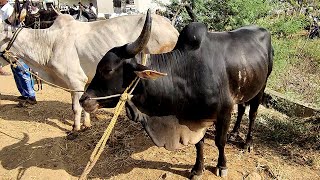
[88, 104]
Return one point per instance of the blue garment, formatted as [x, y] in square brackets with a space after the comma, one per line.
[23, 79]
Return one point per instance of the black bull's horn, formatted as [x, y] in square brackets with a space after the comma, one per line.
[138, 45]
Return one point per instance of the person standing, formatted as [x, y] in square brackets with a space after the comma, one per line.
[22, 77]
[93, 9]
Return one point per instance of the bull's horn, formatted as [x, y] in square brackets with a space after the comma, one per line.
[138, 45]
[56, 11]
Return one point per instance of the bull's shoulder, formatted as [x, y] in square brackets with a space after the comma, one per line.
[192, 36]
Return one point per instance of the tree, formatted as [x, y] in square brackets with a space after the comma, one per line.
[221, 14]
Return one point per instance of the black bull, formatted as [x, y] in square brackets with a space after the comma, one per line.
[207, 73]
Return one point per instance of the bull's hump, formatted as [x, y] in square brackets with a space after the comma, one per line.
[62, 20]
[192, 35]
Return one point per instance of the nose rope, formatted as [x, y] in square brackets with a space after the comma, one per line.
[118, 95]
[102, 142]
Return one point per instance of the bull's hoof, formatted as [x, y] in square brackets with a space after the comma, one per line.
[76, 128]
[72, 135]
[221, 171]
[84, 128]
[195, 176]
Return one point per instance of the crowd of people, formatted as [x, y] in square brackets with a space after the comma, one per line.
[89, 12]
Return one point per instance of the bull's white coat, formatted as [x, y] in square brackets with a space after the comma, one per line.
[68, 52]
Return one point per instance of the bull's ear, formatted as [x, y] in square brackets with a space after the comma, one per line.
[150, 74]
[146, 73]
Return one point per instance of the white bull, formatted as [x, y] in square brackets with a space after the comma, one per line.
[68, 52]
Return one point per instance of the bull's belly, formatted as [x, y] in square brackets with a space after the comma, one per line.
[172, 133]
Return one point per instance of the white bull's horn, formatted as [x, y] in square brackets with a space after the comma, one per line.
[139, 44]
[58, 13]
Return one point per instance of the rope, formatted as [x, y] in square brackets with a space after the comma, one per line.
[10, 54]
[15, 35]
[102, 142]
[7, 54]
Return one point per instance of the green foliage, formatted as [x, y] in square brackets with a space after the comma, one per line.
[296, 69]
[284, 25]
[223, 14]
[247, 12]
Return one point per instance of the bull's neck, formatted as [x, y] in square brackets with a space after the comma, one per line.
[165, 62]
[151, 93]
[34, 45]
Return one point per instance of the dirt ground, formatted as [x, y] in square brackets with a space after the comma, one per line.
[33, 145]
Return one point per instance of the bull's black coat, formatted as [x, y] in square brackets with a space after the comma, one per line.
[207, 73]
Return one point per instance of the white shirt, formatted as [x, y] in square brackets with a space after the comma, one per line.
[6, 11]
[93, 9]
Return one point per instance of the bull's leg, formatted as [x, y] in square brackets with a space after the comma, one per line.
[86, 121]
[222, 126]
[197, 169]
[77, 109]
[254, 104]
[235, 132]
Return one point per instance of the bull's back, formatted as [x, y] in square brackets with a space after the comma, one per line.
[94, 39]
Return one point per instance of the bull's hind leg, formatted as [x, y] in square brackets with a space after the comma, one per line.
[222, 126]
[235, 131]
[254, 105]
[197, 169]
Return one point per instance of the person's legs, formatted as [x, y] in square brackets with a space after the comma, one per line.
[16, 74]
[24, 82]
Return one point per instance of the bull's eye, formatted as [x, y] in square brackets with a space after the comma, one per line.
[105, 73]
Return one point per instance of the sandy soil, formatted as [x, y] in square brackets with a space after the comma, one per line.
[33, 145]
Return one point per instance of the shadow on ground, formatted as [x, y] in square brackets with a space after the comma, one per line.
[296, 140]
[42, 112]
[128, 139]
[72, 156]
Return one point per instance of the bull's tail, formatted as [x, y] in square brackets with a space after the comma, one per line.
[271, 55]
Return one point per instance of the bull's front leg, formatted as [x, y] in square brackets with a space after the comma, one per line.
[222, 126]
[198, 168]
[77, 110]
